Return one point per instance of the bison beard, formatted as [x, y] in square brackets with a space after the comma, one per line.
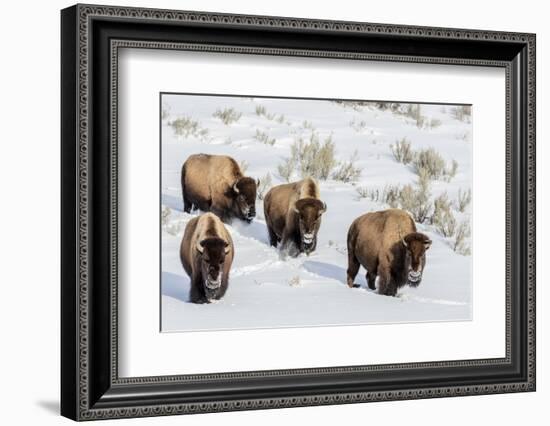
[208, 285]
[244, 196]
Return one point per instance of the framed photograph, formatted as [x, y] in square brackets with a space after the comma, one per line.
[263, 212]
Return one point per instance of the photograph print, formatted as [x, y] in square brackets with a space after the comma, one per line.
[301, 212]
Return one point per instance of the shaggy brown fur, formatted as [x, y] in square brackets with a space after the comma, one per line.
[216, 183]
[293, 215]
[206, 253]
[387, 245]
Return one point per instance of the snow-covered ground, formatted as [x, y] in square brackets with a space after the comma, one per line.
[267, 290]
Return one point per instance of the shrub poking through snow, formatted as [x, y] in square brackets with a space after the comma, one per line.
[165, 113]
[414, 111]
[264, 138]
[315, 159]
[358, 126]
[425, 161]
[416, 199]
[294, 281]
[309, 158]
[354, 105]
[445, 223]
[174, 228]
[286, 168]
[413, 198]
[364, 192]
[462, 235]
[265, 184]
[390, 195]
[165, 215]
[227, 115]
[186, 127]
[429, 161]
[462, 113]
[260, 110]
[464, 199]
[451, 171]
[402, 151]
[347, 171]
[415, 202]
[443, 218]
[434, 123]
[243, 164]
[308, 125]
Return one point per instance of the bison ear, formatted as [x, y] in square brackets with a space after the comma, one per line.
[235, 188]
[199, 247]
[427, 244]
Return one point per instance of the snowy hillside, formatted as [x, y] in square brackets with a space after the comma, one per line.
[268, 290]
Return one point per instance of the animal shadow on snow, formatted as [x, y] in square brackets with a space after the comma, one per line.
[175, 286]
[256, 230]
[331, 271]
[175, 203]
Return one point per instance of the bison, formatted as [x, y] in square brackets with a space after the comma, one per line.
[293, 215]
[206, 253]
[387, 245]
[216, 183]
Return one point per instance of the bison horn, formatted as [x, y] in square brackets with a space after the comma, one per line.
[200, 247]
[427, 244]
[227, 249]
[257, 182]
[235, 188]
[324, 209]
[404, 242]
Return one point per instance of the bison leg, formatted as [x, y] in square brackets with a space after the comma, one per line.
[196, 295]
[273, 238]
[288, 244]
[353, 268]
[187, 204]
[371, 280]
[386, 286]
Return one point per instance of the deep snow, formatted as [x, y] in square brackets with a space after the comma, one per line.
[267, 289]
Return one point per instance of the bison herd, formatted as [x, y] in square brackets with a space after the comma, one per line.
[385, 243]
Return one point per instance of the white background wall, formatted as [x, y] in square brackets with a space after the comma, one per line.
[29, 212]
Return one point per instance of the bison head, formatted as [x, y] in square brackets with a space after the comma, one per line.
[244, 194]
[416, 245]
[309, 211]
[212, 258]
